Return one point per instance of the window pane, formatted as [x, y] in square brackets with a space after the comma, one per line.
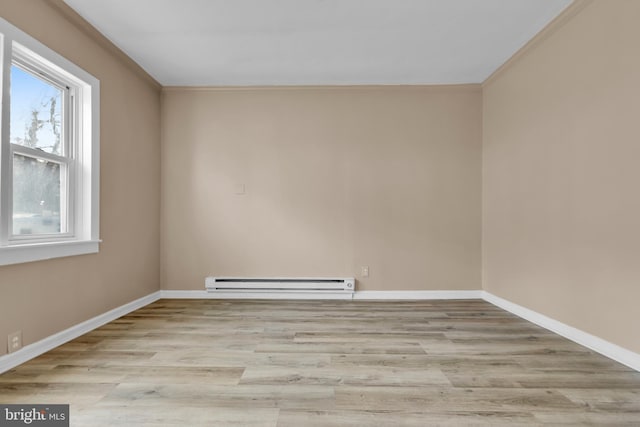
[36, 112]
[36, 196]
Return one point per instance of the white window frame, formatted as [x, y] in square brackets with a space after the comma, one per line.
[80, 157]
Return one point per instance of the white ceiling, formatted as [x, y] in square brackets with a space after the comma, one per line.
[318, 42]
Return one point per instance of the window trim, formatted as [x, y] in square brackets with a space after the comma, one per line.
[83, 157]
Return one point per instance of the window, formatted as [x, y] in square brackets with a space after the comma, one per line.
[49, 153]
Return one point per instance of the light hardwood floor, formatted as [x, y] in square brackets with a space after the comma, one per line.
[322, 363]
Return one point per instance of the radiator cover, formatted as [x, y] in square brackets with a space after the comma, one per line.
[281, 287]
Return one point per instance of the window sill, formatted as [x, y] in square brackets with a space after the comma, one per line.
[42, 251]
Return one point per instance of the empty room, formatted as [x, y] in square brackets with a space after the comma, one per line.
[319, 212]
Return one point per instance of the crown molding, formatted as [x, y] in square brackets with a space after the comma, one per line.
[467, 87]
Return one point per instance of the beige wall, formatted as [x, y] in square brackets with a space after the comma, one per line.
[561, 191]
[42, 298]
[336, 178]
[389, 177]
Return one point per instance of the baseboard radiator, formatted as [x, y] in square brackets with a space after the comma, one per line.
[281, 288]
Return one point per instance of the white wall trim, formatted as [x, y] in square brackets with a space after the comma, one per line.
[28, 352]
[49, 250]
[416, 295]
[606, 348]
[357, 295]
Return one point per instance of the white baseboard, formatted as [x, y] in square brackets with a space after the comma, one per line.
[357, 295]
[416, 295]
[28, 352]
[612, 351]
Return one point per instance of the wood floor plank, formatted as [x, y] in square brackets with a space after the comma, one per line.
[230, 358]
[326, 363]
[241, 396]
[390, 338]
[339, 418]
[371, 361]
[381, 376]
[587, 418]
[453, 399]
[341, 348]
[115, 374]
[53, 393]
[174, 415]
[606, 400]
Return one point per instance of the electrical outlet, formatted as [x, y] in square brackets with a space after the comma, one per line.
[14, 341]
[364, 271]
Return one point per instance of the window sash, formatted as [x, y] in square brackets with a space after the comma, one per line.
[67, 201]
[68, 141]
[67, 110]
